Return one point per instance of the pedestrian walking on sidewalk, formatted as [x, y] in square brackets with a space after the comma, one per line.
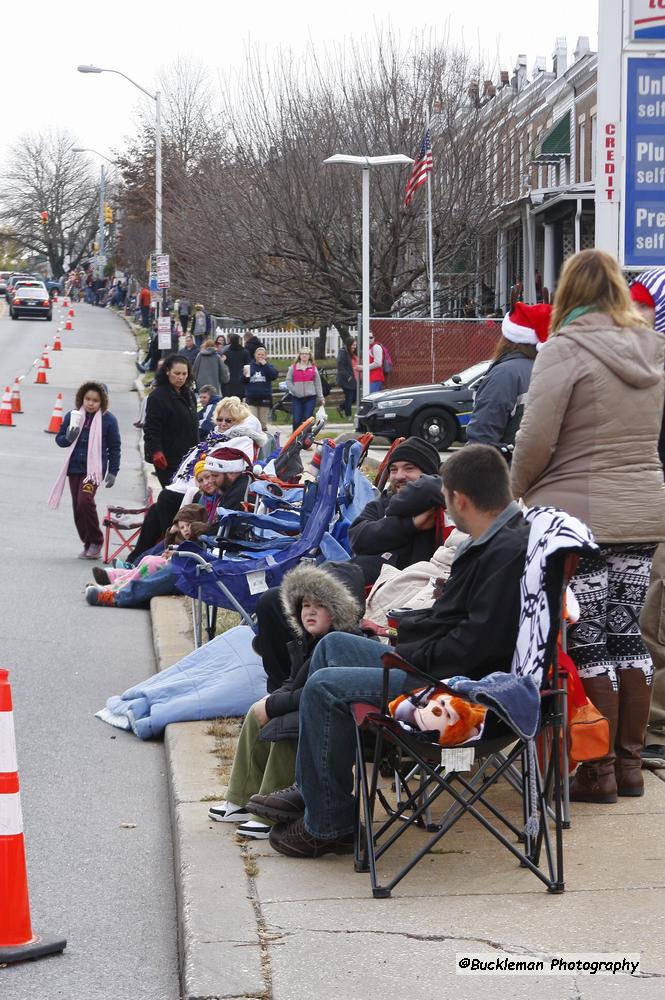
[209, 368]
[258, 377]
[346, 375]
[304, 383]
[91, 435]
[588, 443]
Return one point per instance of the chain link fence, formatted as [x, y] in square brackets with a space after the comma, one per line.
[424, 350]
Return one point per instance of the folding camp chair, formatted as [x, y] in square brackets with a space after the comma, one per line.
[425, 771]
[238, 583]
[120, 520]
[381, 477]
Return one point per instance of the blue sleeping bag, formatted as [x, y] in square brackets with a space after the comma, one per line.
[222, 677]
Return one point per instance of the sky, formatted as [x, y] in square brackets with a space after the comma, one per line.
[41, 88]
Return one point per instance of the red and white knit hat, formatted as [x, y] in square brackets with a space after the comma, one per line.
[235, 456]
[527, 324]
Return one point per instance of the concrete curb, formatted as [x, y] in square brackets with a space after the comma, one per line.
[219, 946]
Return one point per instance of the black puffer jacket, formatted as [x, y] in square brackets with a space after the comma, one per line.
[340, 587]
[384, 531]
[171, 424]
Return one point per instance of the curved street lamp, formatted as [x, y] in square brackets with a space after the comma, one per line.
[366, 163]
[102, 196]
[156, 97]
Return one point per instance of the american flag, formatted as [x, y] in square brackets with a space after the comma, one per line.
[421, 168]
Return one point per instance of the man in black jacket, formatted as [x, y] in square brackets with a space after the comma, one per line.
[470, 630]
[399, 527]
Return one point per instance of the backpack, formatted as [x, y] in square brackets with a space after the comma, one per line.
[387, 361]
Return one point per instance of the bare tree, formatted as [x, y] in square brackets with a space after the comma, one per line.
[45, 175]
[190, 132]
[269, 233]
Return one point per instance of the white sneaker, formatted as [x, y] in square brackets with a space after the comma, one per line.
[252, 828]
[228, 812]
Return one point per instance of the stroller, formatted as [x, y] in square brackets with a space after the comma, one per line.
[284, 404]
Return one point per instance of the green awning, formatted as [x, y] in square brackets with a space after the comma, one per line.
[557, 141]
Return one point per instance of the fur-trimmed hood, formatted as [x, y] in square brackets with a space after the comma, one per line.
[338, 586]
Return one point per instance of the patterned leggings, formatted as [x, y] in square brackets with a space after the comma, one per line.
[611, 588]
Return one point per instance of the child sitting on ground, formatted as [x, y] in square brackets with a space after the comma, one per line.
[91, 435]
[113, 584]
[316, 600]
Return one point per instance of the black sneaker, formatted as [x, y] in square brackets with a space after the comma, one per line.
[653, 755]
[281, 807]
[295, 841]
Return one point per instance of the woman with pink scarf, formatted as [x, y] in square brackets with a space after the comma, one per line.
[92, 438]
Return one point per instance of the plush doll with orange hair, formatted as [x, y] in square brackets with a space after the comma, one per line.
[432, 710]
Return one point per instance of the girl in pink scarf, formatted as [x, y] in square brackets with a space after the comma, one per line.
[91, 436]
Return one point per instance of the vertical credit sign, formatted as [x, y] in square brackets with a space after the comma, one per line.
[644, 205]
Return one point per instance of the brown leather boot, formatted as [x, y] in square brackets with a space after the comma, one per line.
[595, 781]
[634, 703]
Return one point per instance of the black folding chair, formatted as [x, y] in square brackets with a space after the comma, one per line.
[423, 773]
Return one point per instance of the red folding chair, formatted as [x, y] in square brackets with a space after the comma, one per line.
[120, 520]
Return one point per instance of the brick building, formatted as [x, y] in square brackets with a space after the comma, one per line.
[540, 154]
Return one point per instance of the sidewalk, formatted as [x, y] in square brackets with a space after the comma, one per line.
[253, 924]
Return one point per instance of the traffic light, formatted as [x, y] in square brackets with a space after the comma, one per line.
[108, 214]
[44, 218]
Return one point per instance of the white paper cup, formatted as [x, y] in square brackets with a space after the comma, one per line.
[245, 370]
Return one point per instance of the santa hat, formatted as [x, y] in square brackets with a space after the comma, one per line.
[238, 458]
[527, 324]
[649, 290]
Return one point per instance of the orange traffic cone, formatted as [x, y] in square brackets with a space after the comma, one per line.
[6, 415]
[16, 397]
[71, 312]
[45, 361]
[68, 325]
[56, 417]
[17, 941]
[41, 375]
[57, 343]
[65, 303]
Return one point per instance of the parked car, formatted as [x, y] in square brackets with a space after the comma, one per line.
[438, 413]
[4, 278]
[14, 278]
[30, 298]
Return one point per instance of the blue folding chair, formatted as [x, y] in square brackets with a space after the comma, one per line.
[238, 583]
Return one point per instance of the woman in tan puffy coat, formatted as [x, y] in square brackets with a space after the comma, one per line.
[588, 443]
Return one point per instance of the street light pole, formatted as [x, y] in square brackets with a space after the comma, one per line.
[156, 97]
[158, 172]
[102, 247]
[102, 193]
[365, 163]
[366, 290]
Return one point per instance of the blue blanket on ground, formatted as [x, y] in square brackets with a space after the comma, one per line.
[222, 677]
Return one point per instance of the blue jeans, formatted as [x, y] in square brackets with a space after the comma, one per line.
[138, 592]
[303, 408]
[376, 386]
[343, 669]
[349, 400]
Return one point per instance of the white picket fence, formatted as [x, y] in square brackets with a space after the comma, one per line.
[286, 343]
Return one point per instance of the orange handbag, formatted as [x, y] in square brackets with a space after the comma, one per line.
[588, 730]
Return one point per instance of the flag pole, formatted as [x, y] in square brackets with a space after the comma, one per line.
[429, 228]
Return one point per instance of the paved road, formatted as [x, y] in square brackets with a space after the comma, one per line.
[108, 888]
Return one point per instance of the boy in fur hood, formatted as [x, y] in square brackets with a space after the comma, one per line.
[315, 600]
